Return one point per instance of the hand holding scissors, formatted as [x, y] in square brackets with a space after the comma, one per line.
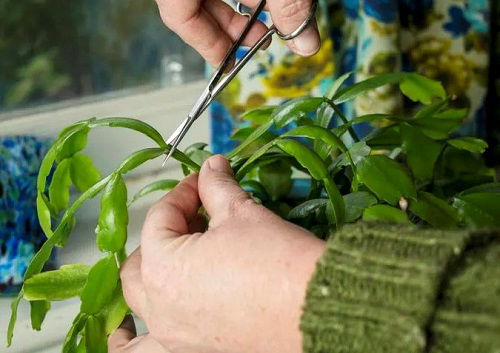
[222, 76]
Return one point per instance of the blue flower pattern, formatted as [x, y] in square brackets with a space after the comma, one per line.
[458, 24]
[20, 233]
[441, 38]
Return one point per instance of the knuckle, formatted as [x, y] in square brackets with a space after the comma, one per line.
[239, 205]
[154, 211]
[295, 10]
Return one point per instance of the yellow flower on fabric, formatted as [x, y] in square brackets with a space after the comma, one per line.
[297, 77]
[433, 58]
[230, 95]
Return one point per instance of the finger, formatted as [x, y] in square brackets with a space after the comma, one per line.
[288, 15]
[140, 344]
[174, 211]
[195, 25]
[122, 336]
[233, 23]
[170, 216]
[132, 285]
[219, 192]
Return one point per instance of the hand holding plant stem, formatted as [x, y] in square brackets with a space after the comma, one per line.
[410, 170]
[258, 263]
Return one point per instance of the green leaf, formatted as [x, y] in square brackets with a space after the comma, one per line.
[386, 178]
[336, 203]
[259, 115]
[83, 172]
[160, 185]
[69, 344]
[242, 134]
[199, 156]
[479, 210]
[361, 87]
[45, 251]
[489, 187]
[421, 152]
[195, 146]
[307, 208]
[356, 202]
[73, 143]
[44, 215]
[441, 124]
[305, 156]
[324, 115]
[13, 317]
[470, 144]
[59, 186]
[133, 124]
[66, 230]
[385, 138]
[358, 151]
[144, 155]
[429, 111]
[243, 170]
[62, 284]
[276, 178]
[254, 136]
[96, 340]
[100, 285]
[369, 118]
[438, 213]
[293, 109]
[385, 213]
[81, 346]
[115, 311]
[337, 83]
[45, 168]
[256, 188]
[111, 230]
[421, 89]
[38, 310]
[325, 135]
[435, 211]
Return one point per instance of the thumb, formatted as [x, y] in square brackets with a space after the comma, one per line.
[219, 192]
[288, 15]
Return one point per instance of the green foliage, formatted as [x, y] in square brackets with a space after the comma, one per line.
[65, 283]
[385, 213]
[409, 171]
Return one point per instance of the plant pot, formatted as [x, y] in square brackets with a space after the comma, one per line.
[20, 233]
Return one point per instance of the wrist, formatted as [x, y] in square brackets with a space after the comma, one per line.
[300, 267]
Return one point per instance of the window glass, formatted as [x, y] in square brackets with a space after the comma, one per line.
[52, 50]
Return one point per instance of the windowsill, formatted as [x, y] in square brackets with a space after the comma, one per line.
[163, 109]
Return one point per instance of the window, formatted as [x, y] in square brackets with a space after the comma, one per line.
[53, 50]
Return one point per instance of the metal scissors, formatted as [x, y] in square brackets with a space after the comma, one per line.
[220, 79]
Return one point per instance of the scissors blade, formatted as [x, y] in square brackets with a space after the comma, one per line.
[175, 139]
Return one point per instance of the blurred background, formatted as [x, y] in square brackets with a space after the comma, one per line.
[58, 50]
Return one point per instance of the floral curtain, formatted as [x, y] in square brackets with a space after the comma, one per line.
[448, 40]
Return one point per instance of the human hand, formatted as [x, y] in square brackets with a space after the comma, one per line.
[211, 26]
[236, 287]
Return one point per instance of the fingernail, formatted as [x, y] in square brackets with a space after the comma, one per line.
[308, 42]
[219, 164]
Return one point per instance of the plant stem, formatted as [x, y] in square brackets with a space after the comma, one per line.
[342, 117]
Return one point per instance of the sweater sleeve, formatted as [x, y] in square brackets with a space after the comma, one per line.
[393, 289]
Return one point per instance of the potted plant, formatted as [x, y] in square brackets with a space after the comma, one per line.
[409, 169]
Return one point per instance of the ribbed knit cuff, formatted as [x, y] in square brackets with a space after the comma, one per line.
[375, 289]
[467, 318]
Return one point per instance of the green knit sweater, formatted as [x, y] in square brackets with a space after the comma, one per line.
[398, 289]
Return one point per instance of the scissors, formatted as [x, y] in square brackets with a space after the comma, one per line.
[220, 79]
